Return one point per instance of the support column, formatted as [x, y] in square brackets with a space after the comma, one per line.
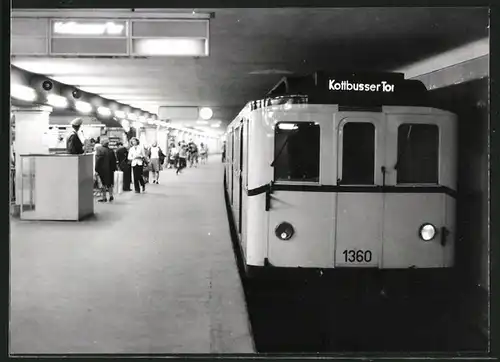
[31, 127]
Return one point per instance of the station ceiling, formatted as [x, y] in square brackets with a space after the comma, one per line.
[251, 49]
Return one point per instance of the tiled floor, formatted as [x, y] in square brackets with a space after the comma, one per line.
[149, 273]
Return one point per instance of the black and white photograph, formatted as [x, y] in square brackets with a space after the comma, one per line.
[244, 181]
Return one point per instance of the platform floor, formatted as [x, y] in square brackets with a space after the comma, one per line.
[149, 273]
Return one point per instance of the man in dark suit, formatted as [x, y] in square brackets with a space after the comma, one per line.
[124, 166]
[74, 145]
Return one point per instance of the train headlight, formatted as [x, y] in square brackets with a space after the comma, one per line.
[427, 232]
[284, 231]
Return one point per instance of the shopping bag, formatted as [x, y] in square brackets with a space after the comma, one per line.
[118, 182]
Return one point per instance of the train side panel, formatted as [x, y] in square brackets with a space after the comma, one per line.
[257, 235]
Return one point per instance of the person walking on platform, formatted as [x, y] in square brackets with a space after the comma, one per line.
[183, 154]
[173, 155]
[224, 151]
[203, 153]
[105, 166]
[124, 165]
[157, 157]
[193, 154]
[137, 155]
[74, 145]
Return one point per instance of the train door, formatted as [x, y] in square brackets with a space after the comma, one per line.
[240, 178]
[236, 174]
[231, 167]
[359, 209]
[412, 160]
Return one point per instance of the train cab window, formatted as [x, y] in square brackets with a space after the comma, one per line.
[418, 154]
[296, 152]
[358, 154]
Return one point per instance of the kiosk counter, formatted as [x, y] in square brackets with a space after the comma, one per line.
[56, 186]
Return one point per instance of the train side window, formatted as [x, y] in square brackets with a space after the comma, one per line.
[358, 154]
[418, 154]
[296, 152]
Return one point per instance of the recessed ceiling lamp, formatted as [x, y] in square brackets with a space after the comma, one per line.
[83, 107]
[23, 93]
[120, 114]
[103, 111]
[57, 101]
[206, 113]
[132, 117]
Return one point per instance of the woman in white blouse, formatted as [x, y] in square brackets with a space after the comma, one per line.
[137, 155]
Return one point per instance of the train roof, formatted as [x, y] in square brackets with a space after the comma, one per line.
[360, 89]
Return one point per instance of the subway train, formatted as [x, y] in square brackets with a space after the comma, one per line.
[343, 171]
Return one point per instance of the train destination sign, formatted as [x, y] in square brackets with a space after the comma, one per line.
[345, 85]
[88, 28]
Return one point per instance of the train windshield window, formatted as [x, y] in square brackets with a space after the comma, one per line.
[418, 153]
[358, 154]
[296, 152]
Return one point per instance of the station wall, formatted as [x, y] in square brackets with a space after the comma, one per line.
[469, 101]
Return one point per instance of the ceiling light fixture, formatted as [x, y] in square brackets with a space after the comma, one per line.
[23, 93]
[103, 111]
[206, 113]
[120, 114]
[83, 107]
[57, 101]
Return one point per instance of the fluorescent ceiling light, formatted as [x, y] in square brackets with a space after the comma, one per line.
[132, 117]
[287, 126]
[120, 114]
[202, 122]
[103, 111]
[83, 107]
[138, 125]
[170, 46]
[206, 113]
[142, 119]
[74, 28]
[57, 101]
[23, 93]
[216, 125]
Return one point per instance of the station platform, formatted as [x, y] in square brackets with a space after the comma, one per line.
[149, 273]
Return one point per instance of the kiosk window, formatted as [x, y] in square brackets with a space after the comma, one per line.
[418, 153]
[358, 154]
[296, 152]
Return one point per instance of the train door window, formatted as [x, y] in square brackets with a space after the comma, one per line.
[418, 154]
[358, 154]
[296, 152]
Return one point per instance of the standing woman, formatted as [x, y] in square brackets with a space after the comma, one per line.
[105, 165]
[124, 165]
[137, 155]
